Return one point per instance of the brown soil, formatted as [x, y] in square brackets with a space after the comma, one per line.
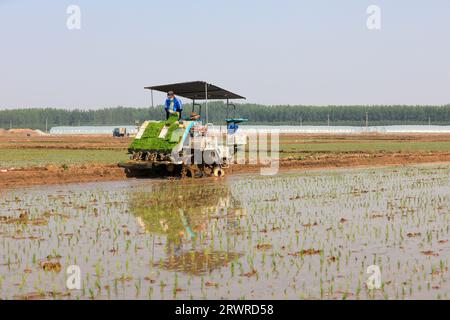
[97, 142]
[352, 160]
[107, 172]
[326, 138]
[57, 175]
[20, 132]
[104, 172]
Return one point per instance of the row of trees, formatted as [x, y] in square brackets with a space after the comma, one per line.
[217, 112]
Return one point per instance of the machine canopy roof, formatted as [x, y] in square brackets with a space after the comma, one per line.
[195, 90]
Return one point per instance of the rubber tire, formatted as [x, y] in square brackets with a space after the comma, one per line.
[218, 172]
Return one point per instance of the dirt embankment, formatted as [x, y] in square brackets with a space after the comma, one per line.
[59, 175]
[401, 137]
[87, 142]
[107, 172]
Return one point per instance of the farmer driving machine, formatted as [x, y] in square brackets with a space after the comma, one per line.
[187, 146]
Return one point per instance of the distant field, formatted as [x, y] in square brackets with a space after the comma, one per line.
[369, 146]
[43, 157]
[44, 150]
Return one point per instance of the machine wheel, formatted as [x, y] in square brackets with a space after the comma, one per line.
[218, 171]
[136, 173]
[183, 171]
[207, 170]
[129, 173]
[191, 171]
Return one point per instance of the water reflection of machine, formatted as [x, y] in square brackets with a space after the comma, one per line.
[192, 217]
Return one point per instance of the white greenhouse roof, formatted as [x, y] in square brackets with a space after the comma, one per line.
[91, 130]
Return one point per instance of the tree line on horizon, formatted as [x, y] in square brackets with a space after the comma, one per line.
[42, 118]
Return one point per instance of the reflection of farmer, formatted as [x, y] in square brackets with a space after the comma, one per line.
[173, 105]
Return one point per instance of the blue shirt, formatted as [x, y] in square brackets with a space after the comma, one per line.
[232, 128]
[177, 105]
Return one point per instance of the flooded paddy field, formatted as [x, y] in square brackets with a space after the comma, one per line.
[297, 235]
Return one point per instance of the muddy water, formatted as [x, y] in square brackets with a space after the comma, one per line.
[303, 235]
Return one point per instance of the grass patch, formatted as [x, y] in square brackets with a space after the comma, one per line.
[42, 157]
[388, 146]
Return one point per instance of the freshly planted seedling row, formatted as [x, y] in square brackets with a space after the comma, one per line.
[296, 235]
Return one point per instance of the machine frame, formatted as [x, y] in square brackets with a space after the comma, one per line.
[196, 142]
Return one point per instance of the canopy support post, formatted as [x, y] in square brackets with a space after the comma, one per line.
[152, 98]
[234, 108]
[206, 101]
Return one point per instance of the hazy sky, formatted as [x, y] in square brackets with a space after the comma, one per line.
[273, 52]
